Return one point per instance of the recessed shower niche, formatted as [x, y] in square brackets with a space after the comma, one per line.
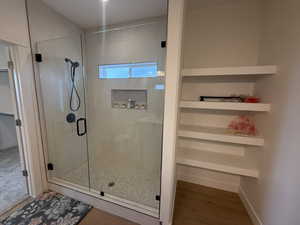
[129, 99]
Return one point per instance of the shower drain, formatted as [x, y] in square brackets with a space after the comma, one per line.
[111, 184]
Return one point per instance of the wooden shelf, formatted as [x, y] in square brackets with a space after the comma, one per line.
[230, 71]
[218, 162]
[217, 134]
[236, 106]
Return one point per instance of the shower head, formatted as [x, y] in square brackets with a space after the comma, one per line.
[75, 64]
[67, 60]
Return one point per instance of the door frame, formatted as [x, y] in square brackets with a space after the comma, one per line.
[21, 69]
[17, 117]
[176, 13]
[13, 90]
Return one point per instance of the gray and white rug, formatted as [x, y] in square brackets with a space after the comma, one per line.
[49, 209]
[12, 184]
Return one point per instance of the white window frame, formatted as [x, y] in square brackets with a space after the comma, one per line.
[132, 65]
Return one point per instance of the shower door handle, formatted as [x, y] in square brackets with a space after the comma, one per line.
[78, 127]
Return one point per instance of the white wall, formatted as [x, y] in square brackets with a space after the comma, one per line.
[5, 93]
[46, 24]
[13, 22]
[8, 136]
[3, 57]
[217, 33]
[6, 106]
[275, 196]
[221, 33]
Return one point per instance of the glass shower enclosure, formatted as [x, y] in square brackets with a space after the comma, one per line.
[66, 150]
[101, 100]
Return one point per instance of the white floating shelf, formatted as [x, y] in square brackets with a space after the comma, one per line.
[217, 134]
[236, 106]
[230, 71]
[218, 162]
[3, 69]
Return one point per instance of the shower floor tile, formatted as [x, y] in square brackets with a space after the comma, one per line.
[121, 180]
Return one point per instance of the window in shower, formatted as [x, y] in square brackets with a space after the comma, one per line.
[130, 70]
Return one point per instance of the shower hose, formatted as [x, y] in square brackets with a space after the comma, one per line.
[74, 91]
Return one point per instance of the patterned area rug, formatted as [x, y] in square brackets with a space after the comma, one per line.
[49, 209]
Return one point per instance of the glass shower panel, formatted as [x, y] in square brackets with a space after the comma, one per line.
[125, 92]
[63, 104]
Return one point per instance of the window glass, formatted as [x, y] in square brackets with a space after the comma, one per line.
[133, 70]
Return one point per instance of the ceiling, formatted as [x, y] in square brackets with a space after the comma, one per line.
[95, 13]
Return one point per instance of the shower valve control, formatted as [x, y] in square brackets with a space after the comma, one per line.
[71, 118]
[131, 104]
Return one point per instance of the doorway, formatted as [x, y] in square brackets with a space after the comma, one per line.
[13, 175]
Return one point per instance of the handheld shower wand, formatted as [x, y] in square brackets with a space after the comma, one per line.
[74, 90]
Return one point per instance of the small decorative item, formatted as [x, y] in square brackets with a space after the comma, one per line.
[220, 99]
[243, 125]
[251, 100]
[232, 98]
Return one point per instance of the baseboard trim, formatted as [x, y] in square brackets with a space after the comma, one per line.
[249, 207]
[209, 183]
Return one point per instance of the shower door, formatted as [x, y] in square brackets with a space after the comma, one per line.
[62, 98]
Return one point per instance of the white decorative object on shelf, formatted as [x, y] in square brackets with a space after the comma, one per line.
[236, 106]
[230, 71]
[243, 166]
[217, 134]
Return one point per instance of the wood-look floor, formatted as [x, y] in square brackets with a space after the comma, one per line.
[199, 205]
[194, 205]
[98, 217]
